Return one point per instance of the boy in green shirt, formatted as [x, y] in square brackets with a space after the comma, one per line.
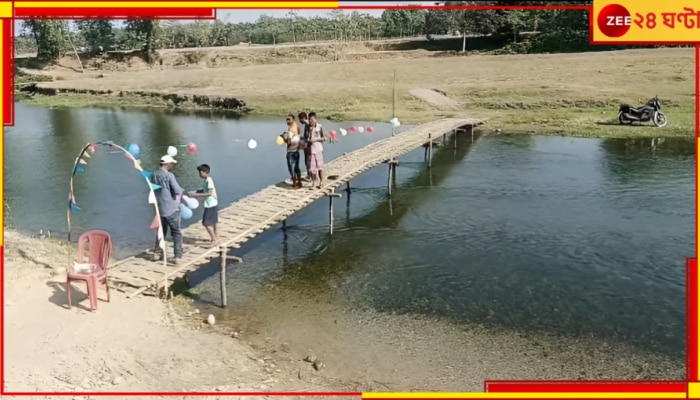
[210, 203]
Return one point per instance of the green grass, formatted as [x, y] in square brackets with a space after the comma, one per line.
[591, 121]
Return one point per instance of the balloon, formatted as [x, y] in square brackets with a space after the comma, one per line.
[252, 144]
[332, 134]
[185, 211]
[352, 129]
[172, 151]
[343, 131]
[280, 140]
[190, 202]
[191, 148]
[370, 129]
[395, 122]
[133, 149]
[360, 129]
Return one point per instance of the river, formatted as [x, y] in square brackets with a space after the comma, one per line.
[578, 237]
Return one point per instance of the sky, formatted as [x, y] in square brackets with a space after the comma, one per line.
[239, 16]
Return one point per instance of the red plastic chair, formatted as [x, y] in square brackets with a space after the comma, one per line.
[100, 250]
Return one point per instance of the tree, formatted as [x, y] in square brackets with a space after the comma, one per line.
[96, 33]
[292, 16]
[146, 32]
[48, 35]
[271, 26]
[475, 21]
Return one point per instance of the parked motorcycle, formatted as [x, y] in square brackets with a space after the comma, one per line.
[651, 111]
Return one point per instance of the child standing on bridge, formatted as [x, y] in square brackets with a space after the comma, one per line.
[210, 203]
[316, 137]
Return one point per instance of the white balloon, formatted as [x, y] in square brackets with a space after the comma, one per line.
[343, 131]
[252, 144]
[360, 129]
[395, 122]
[191, 202]
[172, 151]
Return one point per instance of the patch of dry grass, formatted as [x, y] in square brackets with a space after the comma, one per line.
[549, 94]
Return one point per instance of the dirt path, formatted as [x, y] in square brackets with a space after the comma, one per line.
[126, 345]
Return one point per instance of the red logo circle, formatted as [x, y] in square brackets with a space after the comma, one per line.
[614, 20]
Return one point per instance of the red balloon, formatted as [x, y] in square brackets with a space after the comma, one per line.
[370, 129]
[352, 129]
[191, 148]
[332, 134]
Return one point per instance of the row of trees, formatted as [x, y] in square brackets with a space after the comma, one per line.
[50, 39]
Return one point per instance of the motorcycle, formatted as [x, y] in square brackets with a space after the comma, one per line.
[651, 111]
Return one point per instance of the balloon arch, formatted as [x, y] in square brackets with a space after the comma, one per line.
[79, 167]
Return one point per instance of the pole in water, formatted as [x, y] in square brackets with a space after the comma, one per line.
[330, 214]
[331, 195]
[391, 170]
[284, 225]
[430, 150]
[455, 137]
[347, 186]
[223, 276]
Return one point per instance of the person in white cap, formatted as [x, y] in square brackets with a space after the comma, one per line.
[168, 197]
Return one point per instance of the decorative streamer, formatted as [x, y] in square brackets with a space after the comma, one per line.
[146, 175]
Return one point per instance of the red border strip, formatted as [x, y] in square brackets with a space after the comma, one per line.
[295, 394]
[492, 386]
[121, 13]
[465, 7]
[585, 386]
[697, 93]
[8, 78]
[691, 319]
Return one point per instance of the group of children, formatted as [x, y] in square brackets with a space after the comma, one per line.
[308, 137]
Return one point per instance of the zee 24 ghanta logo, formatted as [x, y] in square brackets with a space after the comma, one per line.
[615, 20]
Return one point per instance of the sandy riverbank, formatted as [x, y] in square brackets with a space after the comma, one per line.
[564, 94]
[146, 344]
[137, 344]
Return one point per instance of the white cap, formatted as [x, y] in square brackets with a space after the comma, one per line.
[166, 159]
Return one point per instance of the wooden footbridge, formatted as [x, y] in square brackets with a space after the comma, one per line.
[254, 214]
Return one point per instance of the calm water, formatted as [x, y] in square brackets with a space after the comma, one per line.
[574, 236]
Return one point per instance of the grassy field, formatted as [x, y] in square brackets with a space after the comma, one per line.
[562, 94]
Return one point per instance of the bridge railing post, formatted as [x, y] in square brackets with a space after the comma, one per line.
[223, 277]
[430, 150]
[331, 195]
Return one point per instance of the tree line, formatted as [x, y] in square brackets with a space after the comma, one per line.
[51, 39]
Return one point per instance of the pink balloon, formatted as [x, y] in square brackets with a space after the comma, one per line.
[352, 129]
[332, 134]
[191, 148]
[370, 129]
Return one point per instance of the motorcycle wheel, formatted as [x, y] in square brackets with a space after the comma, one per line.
[622, 119]
[659, 119]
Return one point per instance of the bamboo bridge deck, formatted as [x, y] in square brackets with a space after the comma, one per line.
[252, 215]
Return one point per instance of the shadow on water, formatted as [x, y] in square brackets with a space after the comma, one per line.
[334, 262]
[311, 273]
[331, 257]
